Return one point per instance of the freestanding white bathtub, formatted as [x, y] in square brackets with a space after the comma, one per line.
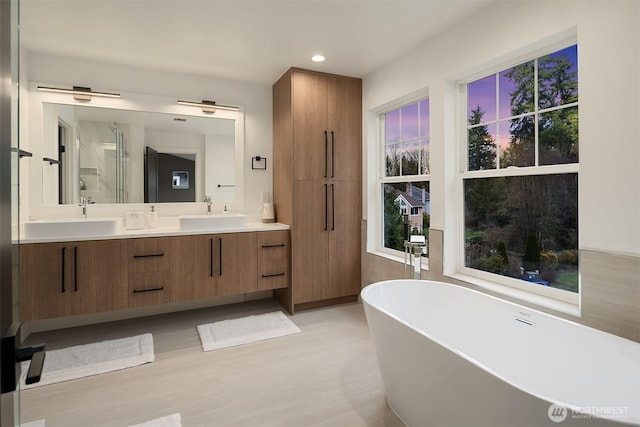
[451, 356]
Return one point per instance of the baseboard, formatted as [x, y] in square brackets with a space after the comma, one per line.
[326, 302]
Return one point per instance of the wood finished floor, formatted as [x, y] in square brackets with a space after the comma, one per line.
[327, 375]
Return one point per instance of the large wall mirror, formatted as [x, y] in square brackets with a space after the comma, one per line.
[114, 151]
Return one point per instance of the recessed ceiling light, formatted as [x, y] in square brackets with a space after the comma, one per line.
[317, 58]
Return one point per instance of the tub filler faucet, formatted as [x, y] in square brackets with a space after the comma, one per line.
[208, 201]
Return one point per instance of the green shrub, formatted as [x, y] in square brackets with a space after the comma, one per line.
[493, 264]
[548, 260]
[568, 257]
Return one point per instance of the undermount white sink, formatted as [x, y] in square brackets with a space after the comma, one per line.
[211, 222]
[75, 227]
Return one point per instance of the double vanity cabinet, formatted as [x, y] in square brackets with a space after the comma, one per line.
[61, 279]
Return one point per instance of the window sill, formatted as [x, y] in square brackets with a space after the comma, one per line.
[566, 307]
[398, 258]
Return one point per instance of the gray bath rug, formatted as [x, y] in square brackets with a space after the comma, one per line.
[229, 333]
[173, 420]
[91, 359]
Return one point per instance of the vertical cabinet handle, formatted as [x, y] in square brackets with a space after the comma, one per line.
[333, 154]
[211, 257]
[333, 207]
[326, 156]
[75, 269]
[220, 256]
[326, 208]
[64, 250]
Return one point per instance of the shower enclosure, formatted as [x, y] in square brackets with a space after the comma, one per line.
[103, 162]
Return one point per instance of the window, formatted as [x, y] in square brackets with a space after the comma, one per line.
[405, 184]
[520, 185]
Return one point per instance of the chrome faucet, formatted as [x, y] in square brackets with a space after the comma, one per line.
[208, 201]
[83, 205]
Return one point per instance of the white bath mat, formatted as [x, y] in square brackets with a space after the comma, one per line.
[91, 359]
[36, 423]
[229, 333]
[173, 420]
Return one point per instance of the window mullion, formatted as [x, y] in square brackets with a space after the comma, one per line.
[382, 149]
[400, 143]
[536, 115]
[419, 135]
[497, 141]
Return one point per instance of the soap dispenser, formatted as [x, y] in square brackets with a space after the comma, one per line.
[153, 217]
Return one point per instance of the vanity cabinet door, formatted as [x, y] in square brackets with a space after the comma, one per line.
[99, 277]
[192, 267]
[237, 256]
[44, 282]
[71, 278]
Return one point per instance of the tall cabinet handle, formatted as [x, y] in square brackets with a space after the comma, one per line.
[75, 269]
[211, 257]
[333, 154]
[64, 250]
[326, 208]
[220, 256]
[326, 156]
[333, 207]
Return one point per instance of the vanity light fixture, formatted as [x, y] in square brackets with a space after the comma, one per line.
[209, 106]
[80, 93]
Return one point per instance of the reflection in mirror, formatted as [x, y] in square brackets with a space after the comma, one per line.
[103, 156]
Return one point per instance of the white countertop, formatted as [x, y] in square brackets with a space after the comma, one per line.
[160, 231]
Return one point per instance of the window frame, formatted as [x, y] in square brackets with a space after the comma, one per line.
[561, 300]
[382, 178]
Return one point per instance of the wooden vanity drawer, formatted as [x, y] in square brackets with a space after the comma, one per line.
[273, 244]
[273, 260]
[150, 254]
[274, 275]
[149, 288]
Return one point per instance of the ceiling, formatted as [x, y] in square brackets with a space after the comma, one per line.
[249, 40]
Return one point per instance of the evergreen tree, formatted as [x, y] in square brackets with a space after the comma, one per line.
[482, 148]
[393, 221]
[502, 251]
[532, 254]
[521, 150]
[558, 129]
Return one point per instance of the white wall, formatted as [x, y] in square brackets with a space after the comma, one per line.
[218, 150]
[254, 99]
[608, 34]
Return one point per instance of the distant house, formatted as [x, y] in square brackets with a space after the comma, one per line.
[414, 202]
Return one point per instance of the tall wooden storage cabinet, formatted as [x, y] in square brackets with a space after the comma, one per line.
[317, 143]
